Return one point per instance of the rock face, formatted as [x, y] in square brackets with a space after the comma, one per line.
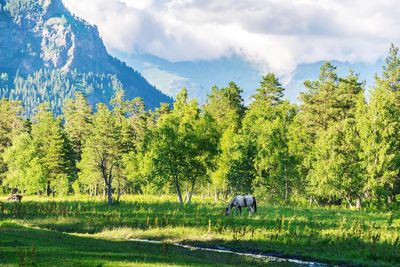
[43, 34]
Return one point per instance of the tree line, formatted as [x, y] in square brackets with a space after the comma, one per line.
[336, 146]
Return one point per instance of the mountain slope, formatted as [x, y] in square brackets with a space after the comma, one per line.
[43, 35]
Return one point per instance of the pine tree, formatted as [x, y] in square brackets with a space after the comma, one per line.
[319, 102]
[226, 106]
[270, 91]
[77, 122]
[51, 147]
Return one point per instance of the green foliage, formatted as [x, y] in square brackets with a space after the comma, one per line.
[333, 147]
[102, 149]
[379, 127]
[337, 171]
[225, 107]
[51, 144]
[25, 170]
[270, 91]
[10, 125]
[274, 164]
[182, 146]
[266, 127]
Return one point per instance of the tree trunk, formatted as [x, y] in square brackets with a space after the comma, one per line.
[286, 186]
[187, 192]
[109, 194]
[349, 202]
[286, 191]
[358, 203]
[48, 188]
[178, 191]
[191, 191]
[108, 178]
[216, 195]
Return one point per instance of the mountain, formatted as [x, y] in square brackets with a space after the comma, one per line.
[42, 43]
[200, 76]
[197, 76]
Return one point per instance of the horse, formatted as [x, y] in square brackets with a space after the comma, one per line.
[241, 201]
[14, 198]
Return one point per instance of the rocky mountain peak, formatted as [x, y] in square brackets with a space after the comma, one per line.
[38, 35]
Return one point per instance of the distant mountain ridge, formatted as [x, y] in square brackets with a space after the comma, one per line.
[44, 35]
[200, 76]
[197, 76]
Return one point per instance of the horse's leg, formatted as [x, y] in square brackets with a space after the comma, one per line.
[240, 210]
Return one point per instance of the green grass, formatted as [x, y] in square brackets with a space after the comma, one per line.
[35, 247]
[330, 235]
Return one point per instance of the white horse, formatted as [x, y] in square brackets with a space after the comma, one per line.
[239, 202]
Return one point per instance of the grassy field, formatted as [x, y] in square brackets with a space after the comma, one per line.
[87, 232]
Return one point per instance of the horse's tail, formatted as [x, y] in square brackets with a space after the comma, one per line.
[255, 204]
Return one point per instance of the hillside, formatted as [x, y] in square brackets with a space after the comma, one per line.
[41, 40]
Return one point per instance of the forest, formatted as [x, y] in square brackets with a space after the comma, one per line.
[54, 86]
[339, 146]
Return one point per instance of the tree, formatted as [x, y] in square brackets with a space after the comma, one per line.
[25, 170]
[227, 110]
[102, 151]
[391, 70]
[335, 171]
[132, 118]
[52, 149]
[203, 152]
[226, 106]
[379, 127]
[270, 91]
[274, 164]
[318, 109]
[77, 122]
[180, 147]
[11, 125]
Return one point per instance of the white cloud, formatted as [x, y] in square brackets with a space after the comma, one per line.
[276, 35]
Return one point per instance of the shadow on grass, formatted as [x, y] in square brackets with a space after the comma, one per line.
[59, 249]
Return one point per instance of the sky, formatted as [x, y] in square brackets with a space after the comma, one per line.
[275, 35]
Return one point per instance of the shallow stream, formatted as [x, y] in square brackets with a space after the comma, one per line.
[266, 257]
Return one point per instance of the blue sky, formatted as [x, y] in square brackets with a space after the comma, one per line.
[275, 35]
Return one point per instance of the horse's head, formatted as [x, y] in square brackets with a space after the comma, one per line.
[227, 212]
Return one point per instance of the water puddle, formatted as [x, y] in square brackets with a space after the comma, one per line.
[269, 258]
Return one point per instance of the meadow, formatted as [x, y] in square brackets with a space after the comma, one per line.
[82, 231]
